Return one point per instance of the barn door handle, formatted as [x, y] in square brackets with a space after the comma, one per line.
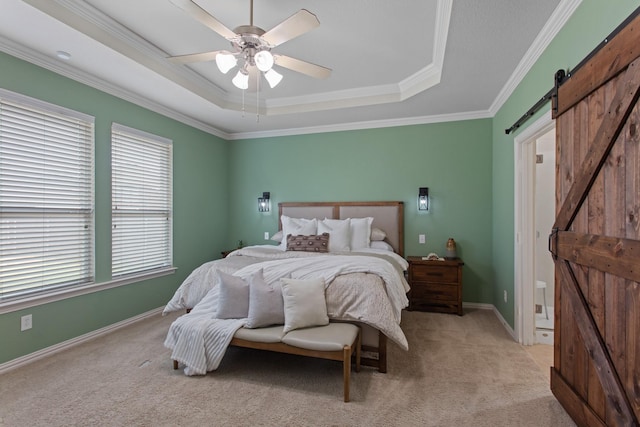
[553, 236]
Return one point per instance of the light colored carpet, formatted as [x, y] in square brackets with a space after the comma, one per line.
[459, 371]
[543, 355]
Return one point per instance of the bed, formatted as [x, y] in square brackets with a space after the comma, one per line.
[364, 283]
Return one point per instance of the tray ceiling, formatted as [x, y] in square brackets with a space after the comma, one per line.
[426, 61]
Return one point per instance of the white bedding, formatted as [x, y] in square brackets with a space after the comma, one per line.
[201, 280]
[366, 287]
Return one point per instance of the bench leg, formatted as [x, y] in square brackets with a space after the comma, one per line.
[175, 364]
[382, 353]
[358, 349]
[346, 366]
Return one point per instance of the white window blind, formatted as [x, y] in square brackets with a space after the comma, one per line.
[46, 197]
[141, 193]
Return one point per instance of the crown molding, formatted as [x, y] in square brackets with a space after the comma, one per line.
[100, 27]
[339, 99]
[89, 21]
[373, 124]
[420, 81]
[44, 61]
[558, 19]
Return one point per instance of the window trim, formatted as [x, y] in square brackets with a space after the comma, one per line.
[119, 128]
[36, 300]
[43, 298]
[54, 109]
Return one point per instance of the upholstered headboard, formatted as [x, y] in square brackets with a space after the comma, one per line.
[387, 216]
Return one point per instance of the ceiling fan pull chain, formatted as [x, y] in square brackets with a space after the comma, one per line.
[257, 95]
[243, 103]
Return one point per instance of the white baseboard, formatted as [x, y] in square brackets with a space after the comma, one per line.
[492, 307]
[48, 351]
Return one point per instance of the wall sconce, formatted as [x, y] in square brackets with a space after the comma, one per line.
[423, 199]
[263, 202]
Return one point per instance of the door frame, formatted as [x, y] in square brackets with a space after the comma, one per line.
[524, 223]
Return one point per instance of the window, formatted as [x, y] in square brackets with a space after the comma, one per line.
[141, 215]
[46, 197]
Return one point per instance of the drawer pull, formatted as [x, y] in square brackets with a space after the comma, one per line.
[435, 274]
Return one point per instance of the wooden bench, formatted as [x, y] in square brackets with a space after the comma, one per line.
[335, 341]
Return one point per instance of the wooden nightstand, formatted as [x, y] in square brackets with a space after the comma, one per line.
[435, 285]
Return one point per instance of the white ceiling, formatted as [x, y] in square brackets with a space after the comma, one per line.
[394, 63]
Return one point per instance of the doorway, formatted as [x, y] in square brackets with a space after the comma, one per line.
[545, 209]
[533, 284]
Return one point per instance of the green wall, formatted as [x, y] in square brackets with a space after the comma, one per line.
[589, 25]
[452, 159]
[467, 165]
[200, 211]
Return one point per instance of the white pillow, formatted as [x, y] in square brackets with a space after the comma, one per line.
[360, 233]
[296, 226]
[377, 234]
[378, 244]
[339, 233]
[304, 303]
[266, 307]
[233, 297]
[277, 237]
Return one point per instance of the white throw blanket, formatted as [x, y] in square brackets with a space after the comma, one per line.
[199, 340]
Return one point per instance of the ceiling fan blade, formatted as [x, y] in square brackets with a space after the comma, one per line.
[196, 57]
[312, 70]
[295, 25]
[204, 17]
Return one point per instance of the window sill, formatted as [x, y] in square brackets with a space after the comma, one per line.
[23, 303]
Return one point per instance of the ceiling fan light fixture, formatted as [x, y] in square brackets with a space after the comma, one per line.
[225, 62]
[264, 60]
[273, 78]
[252, 46]
[241, 80]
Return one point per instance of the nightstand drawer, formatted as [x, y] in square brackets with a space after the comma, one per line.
[435, 285]
[433, 291]
[439, 274]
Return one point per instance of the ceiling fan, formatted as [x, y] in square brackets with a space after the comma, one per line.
[252, 45]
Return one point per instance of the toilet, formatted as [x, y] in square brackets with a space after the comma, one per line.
[540, 284]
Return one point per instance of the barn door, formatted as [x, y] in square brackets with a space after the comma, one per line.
[596, 237]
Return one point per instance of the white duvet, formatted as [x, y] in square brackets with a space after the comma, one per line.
[199, 340]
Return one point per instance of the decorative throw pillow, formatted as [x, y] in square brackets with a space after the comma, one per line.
[233, 297]
[304, 303]
[379, 244]
[312, 243]
[377, 234]
[266, 306]
[360, 233]
[296, 226]
[339, 233]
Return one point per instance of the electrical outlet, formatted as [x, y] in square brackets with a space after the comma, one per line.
[266, 235]
[26, 322]
[422, 239]
[505, 296]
